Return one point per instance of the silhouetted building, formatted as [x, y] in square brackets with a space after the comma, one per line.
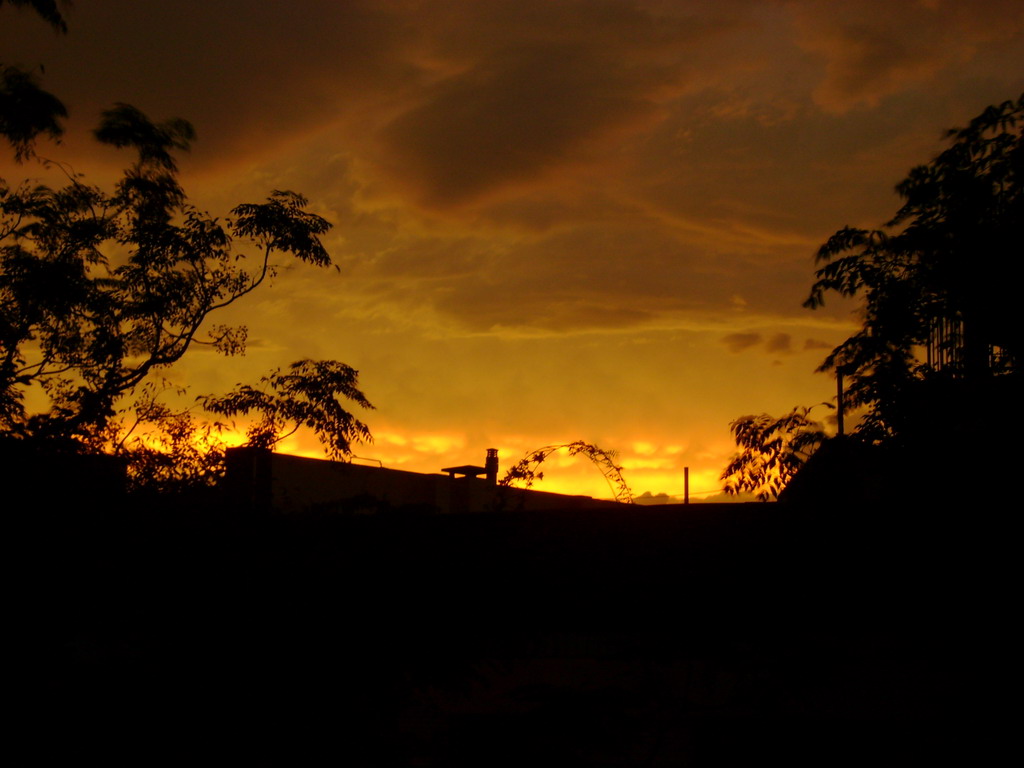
[71, 479]
[950, 349]
[281, 484]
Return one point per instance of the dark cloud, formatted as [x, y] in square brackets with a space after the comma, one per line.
[817, 344]
[875, 48]
[246, 74]
[509, 179]
[531, 100]
[586, 163]
[738, 342]
[593, 275]
[488, 128]
[780, 343]
[648, 498]
[776, 344]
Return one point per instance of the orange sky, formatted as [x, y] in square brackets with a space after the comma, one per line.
[554, 220]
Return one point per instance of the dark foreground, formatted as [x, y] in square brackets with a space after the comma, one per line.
[705, 636]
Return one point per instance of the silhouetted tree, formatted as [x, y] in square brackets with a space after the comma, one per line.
[47, 9]
[165, 450]
[88, 328]
[937, 277]
[100, 290]
[940, 339]
[527, 471]
[26, 110]
[771, 452]
[307, 394]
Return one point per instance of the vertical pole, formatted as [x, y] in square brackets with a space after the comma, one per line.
[839, 400]
[686, 485]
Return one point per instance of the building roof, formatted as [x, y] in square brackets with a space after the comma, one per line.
[466, 469]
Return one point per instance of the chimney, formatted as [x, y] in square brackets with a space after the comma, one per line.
[491, 466]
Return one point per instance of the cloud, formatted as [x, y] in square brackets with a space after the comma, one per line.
[248, 75]
[874, 48]
[528, 167]
[510, 121]
[738, 342]
[525, 102]
[779, 343]
[776, 344]
[648, 498]
[552, 218]
[817, 344]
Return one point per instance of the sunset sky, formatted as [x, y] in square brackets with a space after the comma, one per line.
[555, 220]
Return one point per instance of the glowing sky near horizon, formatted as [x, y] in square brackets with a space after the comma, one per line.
[554, 220]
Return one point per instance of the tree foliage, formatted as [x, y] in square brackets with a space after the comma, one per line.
[48, 10]
[165, 449]
[527, 471]
[936, 275]
[940, 334]
[772, 450]
[99, 290]
[307, 394]
[26, 110]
